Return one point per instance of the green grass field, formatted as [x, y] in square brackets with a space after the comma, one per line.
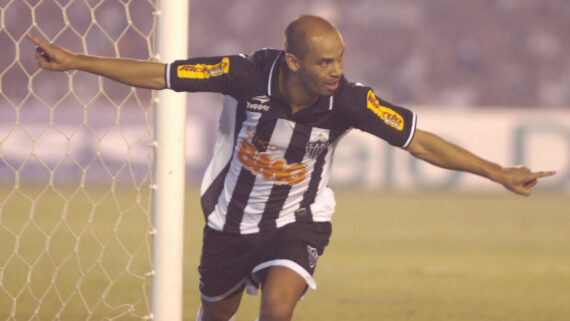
[393, 256]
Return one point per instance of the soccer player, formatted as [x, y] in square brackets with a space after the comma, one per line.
[265, 194]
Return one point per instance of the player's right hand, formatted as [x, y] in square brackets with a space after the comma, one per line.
[51, 56]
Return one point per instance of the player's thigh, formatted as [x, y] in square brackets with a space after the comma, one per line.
[281, 291]
[221, 310]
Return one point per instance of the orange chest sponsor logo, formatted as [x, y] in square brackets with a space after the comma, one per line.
[203, 71]
[388, 115]
[270, 168]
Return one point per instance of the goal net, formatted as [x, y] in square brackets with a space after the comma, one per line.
[75, 165]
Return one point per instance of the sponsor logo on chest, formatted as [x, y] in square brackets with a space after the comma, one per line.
[268, 166]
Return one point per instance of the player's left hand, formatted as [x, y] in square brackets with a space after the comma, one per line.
[521, 180]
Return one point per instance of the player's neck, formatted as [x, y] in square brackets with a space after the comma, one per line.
[297, 95]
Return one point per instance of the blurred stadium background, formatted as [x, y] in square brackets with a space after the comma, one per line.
[493, 76]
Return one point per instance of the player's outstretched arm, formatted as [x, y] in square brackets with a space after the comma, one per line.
[139, 73]
[437, 151]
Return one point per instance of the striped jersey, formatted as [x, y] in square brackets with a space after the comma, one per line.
[271, 167]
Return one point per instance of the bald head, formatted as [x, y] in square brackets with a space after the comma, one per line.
[304, 31]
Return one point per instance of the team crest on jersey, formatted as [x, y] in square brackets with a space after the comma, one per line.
[203, 71]
[258, 104]
[318, 143]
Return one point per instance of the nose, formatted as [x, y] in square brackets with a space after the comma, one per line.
[336, 70]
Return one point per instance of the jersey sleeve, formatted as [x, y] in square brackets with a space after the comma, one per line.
[223, 74]
[371, 114]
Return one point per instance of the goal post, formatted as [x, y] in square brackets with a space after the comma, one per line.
[168, 199]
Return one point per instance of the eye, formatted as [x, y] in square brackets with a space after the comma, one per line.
[324, 62]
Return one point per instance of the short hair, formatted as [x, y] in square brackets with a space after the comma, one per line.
[296, 33]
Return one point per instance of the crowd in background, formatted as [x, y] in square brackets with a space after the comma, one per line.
[414, 52]
[437, 52]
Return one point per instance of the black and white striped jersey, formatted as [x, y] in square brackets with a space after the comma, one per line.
[271, 167]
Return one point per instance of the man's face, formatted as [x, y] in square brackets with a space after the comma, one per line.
[321, 68]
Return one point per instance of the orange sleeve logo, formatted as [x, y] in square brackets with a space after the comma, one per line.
[275, 169]
[388, 115]
[203, 71]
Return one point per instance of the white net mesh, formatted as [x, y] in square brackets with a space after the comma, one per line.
[75, 165]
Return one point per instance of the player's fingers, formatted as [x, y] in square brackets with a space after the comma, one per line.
[39, 56]
[525, 179]
[525, 191]
[42, 58]
[38, 41]
[531, 183]
[42, 54]
[543, 174]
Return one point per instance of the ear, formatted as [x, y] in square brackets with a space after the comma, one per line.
[292, 62]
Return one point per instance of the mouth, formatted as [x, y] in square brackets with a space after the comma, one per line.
[332, 86]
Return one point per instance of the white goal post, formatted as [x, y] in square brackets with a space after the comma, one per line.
[168, 209]
[92, 172]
